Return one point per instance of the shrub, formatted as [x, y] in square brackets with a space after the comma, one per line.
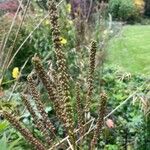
[27, 49]
[147, 8]
[123, 10]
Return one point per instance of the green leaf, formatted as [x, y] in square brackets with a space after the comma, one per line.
[3, 125]
[14, 143]
[3, 143]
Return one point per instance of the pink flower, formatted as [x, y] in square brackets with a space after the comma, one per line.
[110, 123]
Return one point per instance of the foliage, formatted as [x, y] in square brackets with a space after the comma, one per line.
[147, 8]
[42, 4]
[40, 42]
[129, 121]
[123, 10]
[130, 124]
[26, 51]
[8, 6]
[58, 90]
[140, 5]
[54, 100]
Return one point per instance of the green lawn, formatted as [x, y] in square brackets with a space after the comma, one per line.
[131, 49]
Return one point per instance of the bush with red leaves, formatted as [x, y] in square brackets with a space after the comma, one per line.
[10, 6]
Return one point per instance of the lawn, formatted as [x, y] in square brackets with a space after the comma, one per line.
[131, 49]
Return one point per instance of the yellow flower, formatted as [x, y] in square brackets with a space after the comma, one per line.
[70, 22]
[0, 81]
[105, 32]
[63, 41]
[139, 4]
[15, 73]
[68, 8]
[47, 22]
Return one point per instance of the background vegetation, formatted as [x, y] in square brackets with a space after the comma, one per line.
[135, 56]
[124, 48]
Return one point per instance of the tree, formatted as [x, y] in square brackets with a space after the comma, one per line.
[147, 8]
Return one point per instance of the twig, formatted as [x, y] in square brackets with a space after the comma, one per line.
[90, 9]
[8, 34]
[68, 136]
[2, 53]
[37, 26]
[15, 85]
[124, 101]
[21, 4]
[17, 33]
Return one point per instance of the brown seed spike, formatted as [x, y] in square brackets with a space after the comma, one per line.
[63, 77]
[53, 89]
[24, 131]
[44, 77]
[79, 109]
[28, 106]
[42, 127]
[39, 104]
[100, 120]
[39, 124]
[90, 79]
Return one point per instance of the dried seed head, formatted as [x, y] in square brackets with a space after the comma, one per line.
[48, 84]
[100, 120]
[43, 128]
[53, 89]
[63, 77]
[39, 123]
[28, 106]
[90, 77]
[36, 96]
[24, 131]
[79, 109]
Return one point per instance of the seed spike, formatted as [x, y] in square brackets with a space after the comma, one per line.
[100, 120]
[90, 79]
[24, 131]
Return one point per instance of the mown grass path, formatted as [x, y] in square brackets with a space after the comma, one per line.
[131, 49]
